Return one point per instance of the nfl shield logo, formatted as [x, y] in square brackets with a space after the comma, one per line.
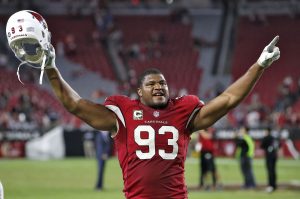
[155, 113]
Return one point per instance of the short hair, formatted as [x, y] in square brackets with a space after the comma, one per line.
[148, 71]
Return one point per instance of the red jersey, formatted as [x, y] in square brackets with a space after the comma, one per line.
[152, 145]
[207, 144]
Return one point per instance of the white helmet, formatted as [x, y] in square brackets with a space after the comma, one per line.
[28, 36]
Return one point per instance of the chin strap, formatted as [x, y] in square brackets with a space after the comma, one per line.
[42, 69]
[18, 74]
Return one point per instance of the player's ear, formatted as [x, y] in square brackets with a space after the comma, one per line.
[139, 92]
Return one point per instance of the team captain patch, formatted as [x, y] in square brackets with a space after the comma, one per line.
[137, 114]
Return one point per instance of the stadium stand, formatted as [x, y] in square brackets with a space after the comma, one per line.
[246, 51]
[88, 52]
[163, 44]
[14, 98]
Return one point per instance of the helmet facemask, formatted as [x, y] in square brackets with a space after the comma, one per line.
[28, 50]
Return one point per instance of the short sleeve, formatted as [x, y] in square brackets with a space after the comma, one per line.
[115, 104]
[194, 104]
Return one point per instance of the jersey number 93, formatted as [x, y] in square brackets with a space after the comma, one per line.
[150, 142]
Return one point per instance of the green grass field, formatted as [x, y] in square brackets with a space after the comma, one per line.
[75, 178]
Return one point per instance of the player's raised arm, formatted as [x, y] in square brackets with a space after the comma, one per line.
[237, 91]
[96, 115]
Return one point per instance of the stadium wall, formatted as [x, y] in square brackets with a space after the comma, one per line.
[80, 143]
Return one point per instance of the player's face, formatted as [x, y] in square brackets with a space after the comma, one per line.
[154, 91]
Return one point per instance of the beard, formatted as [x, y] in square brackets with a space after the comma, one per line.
[159, 105]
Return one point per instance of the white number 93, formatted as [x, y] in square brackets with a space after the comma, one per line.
[150, 142]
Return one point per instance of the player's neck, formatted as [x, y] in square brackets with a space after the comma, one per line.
[158, 107]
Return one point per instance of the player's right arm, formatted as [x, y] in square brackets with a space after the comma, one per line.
[96, 115]
[237, 91]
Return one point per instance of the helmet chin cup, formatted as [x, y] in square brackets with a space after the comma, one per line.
[28, 36]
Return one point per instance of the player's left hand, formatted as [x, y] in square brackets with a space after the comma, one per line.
[270, 54]
[50, 58]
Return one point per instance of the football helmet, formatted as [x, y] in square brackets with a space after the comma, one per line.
[29, 38]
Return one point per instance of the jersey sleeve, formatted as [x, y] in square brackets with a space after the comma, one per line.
[194, 104]
[115, 104]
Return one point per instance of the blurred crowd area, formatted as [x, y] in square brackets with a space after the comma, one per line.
[255, 114]
[22, 109]
[25, 107]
